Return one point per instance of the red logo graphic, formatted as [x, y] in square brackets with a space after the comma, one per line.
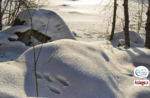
[141, 82]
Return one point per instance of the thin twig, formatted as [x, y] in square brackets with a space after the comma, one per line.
[56, 50]
[25, 62]
[42, 41]
[6, 56]
[35, 61]
[16, 60]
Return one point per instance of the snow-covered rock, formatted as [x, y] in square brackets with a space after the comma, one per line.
[46, 22]
[26, 37]
[9, 39]
[9, 44]
[135, 39]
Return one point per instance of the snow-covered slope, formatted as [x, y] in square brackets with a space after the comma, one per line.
[78, 70]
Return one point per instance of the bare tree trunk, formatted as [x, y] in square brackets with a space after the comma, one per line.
[0, 15]
[5, 7]
[147, 28]
[138, 21]
[10, 9]
[114, 20]
[141, 16]
[126, 28]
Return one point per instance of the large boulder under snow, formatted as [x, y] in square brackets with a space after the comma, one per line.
[44, 22]
[135, 39]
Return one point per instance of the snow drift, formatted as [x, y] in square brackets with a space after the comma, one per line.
[78, 70]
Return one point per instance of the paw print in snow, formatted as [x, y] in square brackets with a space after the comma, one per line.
[62, 80]
[51, 81]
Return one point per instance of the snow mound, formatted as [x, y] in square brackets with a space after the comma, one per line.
[8, 40]
[46, 22]
[84, 70]
[7, 35]
[135, 39]
[9, 44]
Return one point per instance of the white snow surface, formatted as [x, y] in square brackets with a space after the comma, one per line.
[78, 70]
[46, 22]
[89, 67]
[135, 39]
[12, 49]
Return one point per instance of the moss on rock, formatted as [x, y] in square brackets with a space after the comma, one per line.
[119, 44]
[21, 33]
[25, 37]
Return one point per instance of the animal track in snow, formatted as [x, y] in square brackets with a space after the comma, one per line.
[54, 89]
[128, 74]
[62, 80]
[39, 75]
[47, 78]
[51, 83]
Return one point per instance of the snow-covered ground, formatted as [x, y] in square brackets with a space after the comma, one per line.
[85, 67]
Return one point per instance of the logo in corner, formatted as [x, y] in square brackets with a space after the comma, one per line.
[141, 82]
[141, 72]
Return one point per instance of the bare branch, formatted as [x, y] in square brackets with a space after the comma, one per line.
[6, 56]
[56, 50]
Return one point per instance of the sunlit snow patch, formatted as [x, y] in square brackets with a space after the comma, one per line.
[46, 22]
